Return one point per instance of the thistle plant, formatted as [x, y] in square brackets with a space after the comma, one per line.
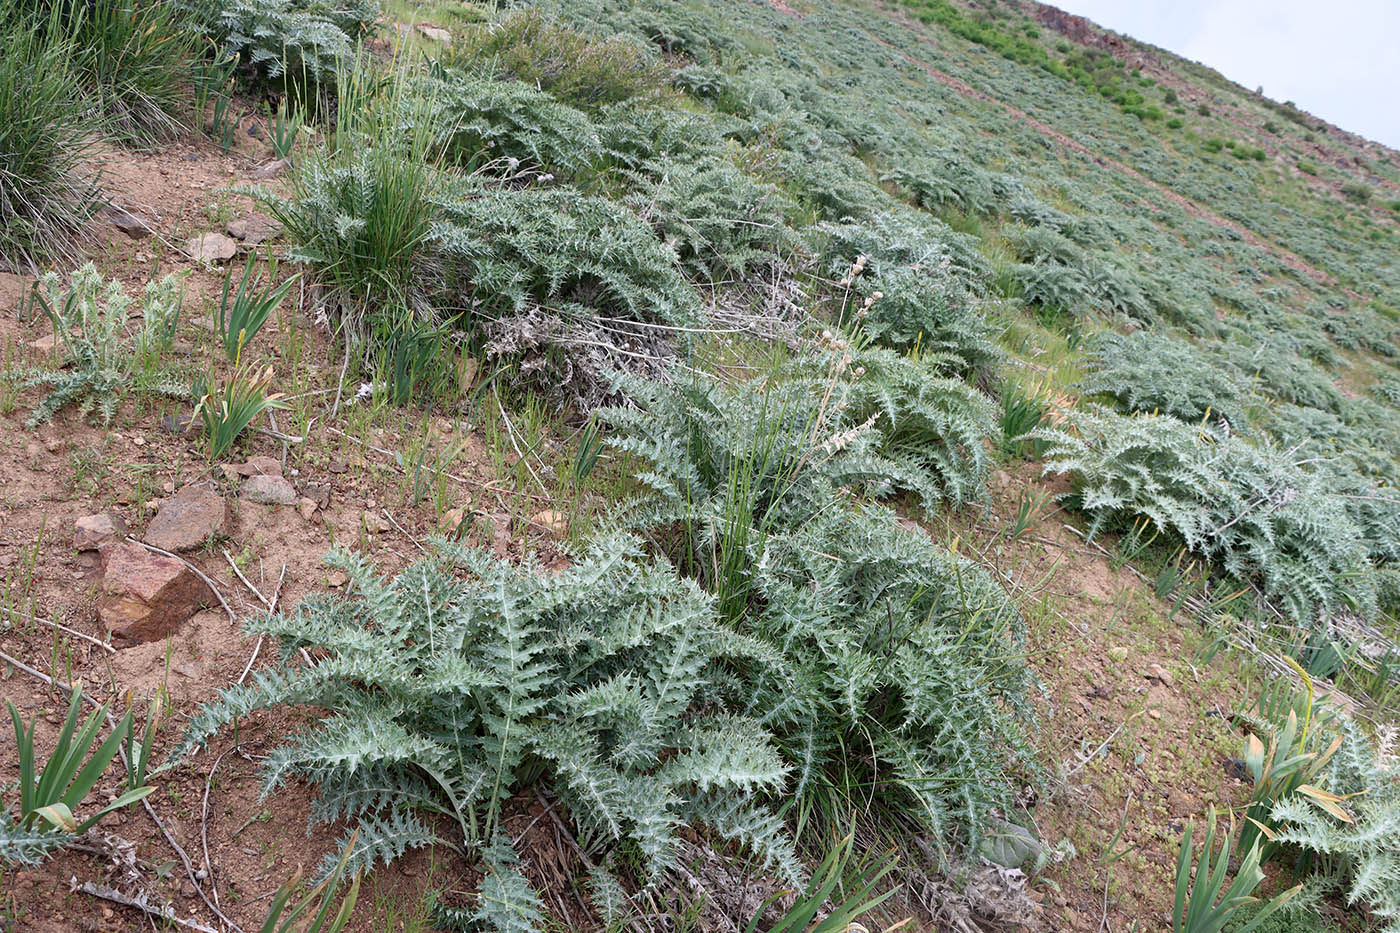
[465, 681]
[89, 324]
[751, 490]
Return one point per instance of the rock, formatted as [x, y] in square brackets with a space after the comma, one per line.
[147, 596]
[253, 229]
[1118, 653]
[337, 578]
[451, 522]
[1158, 672]
[97, 532]
[131, 224]
[211, 247]
[556, 523]
[307, 507]
[188, 519]
[435, 33]
[179, 424]
[268, 490]
[44, 344]
[255, 466]
[271, 169]
[375, 523]
[466, 372]
[320, 493]
[336, 466]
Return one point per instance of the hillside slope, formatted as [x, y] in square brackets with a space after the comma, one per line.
[692, 465]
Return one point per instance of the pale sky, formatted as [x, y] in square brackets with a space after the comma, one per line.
[1338, 59]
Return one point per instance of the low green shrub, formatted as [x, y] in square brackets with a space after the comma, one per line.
[576, 68]
[931, 429]
[1307, 167]
[1356, 192]
[297, 41]
[361, 211]
[569, 287]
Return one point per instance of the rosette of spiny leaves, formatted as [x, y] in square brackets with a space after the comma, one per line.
[451, 694]
[101, 363]
[920, 279]
[722, 221]
[1251, 508]
[930, 426]
[730, 464]
[1152, 372]
[563, 286]
[904, 674]
[898, 663]
[489, 122]
[287, 39]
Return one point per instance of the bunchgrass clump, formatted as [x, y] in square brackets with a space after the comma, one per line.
[135, 58]
[46, 195]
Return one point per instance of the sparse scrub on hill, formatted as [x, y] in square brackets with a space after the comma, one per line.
[1251, 509]
[1356, 192]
